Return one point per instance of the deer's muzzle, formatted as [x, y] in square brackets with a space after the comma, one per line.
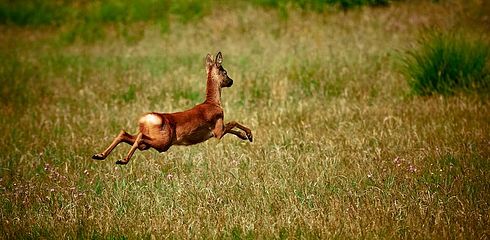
[228, 82]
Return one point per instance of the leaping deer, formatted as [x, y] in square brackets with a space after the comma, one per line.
[198, 124]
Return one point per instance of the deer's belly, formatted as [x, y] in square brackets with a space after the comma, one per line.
[194, 137]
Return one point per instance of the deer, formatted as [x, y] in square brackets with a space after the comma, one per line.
[160, 131]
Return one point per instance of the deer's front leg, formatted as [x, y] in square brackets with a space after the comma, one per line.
[220, 130]
[229, 126]
[239, 134]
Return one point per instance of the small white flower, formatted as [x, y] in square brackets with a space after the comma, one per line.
[170, 176]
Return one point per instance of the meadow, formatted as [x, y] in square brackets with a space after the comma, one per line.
[343, 149]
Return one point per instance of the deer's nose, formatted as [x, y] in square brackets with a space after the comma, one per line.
[229, 82]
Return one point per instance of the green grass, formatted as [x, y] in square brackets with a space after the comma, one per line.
[36, 12]
[321, 5]
[445, 63]
[89, 22]
[340, 149]
[33, 13]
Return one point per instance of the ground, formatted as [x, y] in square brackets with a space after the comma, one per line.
[341, 148]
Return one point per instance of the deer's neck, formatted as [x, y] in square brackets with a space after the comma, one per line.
[213, 91]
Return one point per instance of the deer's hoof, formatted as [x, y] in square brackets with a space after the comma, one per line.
[121, 162]
[250, 137]
[98, 156]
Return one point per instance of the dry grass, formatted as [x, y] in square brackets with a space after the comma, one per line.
[340, 151]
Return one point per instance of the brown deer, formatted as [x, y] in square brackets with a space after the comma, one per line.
[162, 130]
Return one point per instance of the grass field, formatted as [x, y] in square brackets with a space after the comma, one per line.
[341, 148]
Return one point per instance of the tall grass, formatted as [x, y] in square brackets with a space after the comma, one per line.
[32, 13]
[36, 12]
[320, 5]
[448, 62]
[87, 21]
[339, 152]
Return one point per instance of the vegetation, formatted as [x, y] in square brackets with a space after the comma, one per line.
[321, 5]
[340, 149]
[85, 20]
[37, 12]
[444, 63]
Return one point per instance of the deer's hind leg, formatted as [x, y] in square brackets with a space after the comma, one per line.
[123, 136]
[137, 143]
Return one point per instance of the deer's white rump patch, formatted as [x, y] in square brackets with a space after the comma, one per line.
[151, 119]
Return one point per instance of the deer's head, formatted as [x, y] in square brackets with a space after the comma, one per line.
[216, 72]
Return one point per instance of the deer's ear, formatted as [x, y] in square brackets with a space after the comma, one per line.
[219, 59]
[208, 61]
